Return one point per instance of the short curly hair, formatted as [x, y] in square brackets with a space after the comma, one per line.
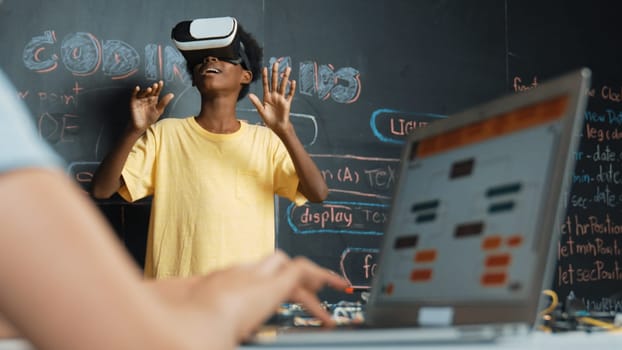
[253, 51]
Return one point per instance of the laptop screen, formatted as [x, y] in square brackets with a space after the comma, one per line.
[473, 214]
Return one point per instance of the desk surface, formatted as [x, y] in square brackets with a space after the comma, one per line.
[543, 341]
[537, 341]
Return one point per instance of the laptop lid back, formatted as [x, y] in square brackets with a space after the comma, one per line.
[477, 208]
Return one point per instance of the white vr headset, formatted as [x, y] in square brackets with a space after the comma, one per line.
[217, 37]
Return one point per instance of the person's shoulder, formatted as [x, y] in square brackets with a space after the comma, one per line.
[169, 123]
[265, 136]
[259, 129]
[20, 144]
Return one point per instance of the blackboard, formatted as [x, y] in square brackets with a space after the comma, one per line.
[368, 74]
[546, 39]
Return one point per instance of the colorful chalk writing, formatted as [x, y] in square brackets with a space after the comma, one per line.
[358, 265]
[83, 54]
[589, 250]
[392, 126]
[338, 217]
[342, 85]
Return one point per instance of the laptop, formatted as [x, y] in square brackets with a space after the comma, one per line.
[469, 245]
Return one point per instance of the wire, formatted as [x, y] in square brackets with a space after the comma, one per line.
[598, 323]
[547, 315]
[553, 305]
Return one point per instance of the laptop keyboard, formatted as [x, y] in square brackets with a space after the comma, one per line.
[293, 315]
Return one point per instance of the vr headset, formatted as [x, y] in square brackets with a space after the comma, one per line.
[217, 37]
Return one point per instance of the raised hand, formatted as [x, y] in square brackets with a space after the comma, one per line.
[146, 106]
[277, 99]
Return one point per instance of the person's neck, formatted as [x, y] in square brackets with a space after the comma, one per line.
[218, 116]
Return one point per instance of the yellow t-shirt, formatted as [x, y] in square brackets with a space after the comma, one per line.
[213, 194]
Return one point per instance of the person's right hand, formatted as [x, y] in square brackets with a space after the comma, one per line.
[146, 106]
[244, 296]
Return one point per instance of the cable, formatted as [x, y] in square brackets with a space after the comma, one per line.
[598, 323]
[553, 305]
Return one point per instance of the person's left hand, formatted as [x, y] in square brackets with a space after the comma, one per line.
[277, 99]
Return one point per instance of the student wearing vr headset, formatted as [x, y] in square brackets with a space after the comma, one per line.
[213, 177]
